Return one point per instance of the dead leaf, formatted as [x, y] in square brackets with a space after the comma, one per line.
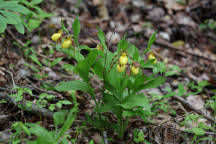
[97, 138]
[173, 5]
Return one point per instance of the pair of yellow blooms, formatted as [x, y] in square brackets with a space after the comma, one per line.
[57, 37]
[122, 64]
[135, 68]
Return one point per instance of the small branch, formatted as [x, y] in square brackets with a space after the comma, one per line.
[33, 107]
[15, 37]
[11, 74]
[165, 44]
[166, 126]
[186, 104]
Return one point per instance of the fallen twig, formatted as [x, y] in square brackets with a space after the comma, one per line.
[170, 46]
[11, 74]
[165, 44]
[33, 107]
[186, 104]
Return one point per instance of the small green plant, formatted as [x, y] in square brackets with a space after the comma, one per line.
[18, 96]
[208, 24]
[198, 128]
[138, 136]
[35, 18]
[121, 72]
[39, 135]
[18, 13]
[8, 15]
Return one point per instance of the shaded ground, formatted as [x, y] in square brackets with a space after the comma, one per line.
[180, 42]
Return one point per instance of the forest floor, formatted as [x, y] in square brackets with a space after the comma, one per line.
[186, 37]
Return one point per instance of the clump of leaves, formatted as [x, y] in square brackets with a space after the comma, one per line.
[8, 15]
[35, 133]
[18, 13]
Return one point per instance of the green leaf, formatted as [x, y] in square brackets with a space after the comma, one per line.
[20, 28]
[138, 81]
[74, 85]
[76, 29]
[91, 142]
[111, 104]
[33, 24]
[170, 73]
[67, 124]
[198, 131]
[25, 129]
[141, 136]
[102, 38]
[59, 118]
[56, 61]
[13, 6]
[132, 101]
[35, 59]
[32, 142]
[7, 4]
[35, 2]
[68, 67]
[29, 103]
[11, 17]
[98, 68]
[150, 42]
[133, 52]
[181, 90]
[64, 28]
[83, 67]
[3, 25]
[52, 107]
[173, 70]
[114, 78]
[42, 133]
[65, 102]
[122, 44]
[152, 84]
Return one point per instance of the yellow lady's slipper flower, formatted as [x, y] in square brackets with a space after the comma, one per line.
[99, 47]
[152, 57]
[120, 68]
[56, 37]
[67, 43]
[135, 70]
[123, 59]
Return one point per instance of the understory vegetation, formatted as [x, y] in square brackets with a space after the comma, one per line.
[72, 82]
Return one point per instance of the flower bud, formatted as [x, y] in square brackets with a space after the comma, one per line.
[123, 59]
[152, 57]
[56, 37]
[67, 43]
[99, 47]
[135, 70]
[120, 68]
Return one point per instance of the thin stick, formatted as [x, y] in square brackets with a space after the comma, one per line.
[33, 107]
[185, 103]
[11, 74]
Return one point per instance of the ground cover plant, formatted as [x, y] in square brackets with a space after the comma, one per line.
[18, 13]
[69, 87]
